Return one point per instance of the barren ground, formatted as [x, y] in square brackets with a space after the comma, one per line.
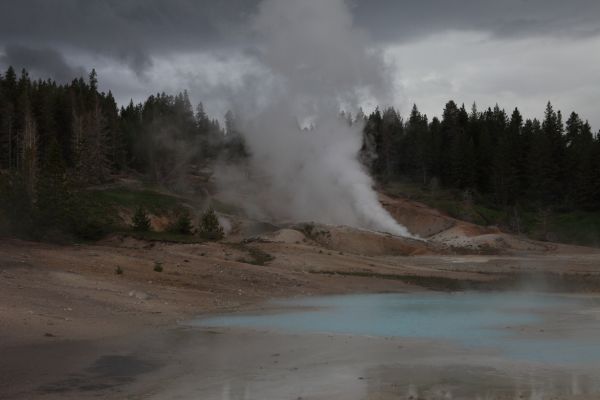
[64, 309]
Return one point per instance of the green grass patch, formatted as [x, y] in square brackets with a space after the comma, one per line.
[577, 227]
[100, 211]
[258, 256]
[225, 208]
[168, 237]
[447, 201]
[488, 216]
[155, 202]
[255, 256]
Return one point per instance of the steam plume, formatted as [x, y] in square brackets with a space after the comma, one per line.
[317, 63]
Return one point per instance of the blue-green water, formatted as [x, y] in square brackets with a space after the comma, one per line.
[533, 327]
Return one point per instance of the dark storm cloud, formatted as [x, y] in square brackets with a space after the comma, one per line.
[131, 31]
[135, 31]
[41, 62]
[440, 48]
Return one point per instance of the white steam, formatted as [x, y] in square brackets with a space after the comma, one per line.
[317, 64]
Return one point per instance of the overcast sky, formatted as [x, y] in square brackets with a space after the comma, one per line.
[513, 52]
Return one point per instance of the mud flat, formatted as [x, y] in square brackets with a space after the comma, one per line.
[238, 364]
[392, 346]
[71, 328]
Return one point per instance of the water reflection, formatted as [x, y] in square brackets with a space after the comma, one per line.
[477, 382]
[432, 383]
[417, 347]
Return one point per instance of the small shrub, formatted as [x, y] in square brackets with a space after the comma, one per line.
[86, 224]
[257, 257]
[183, 224]
[308, 229]
[141, 220]
[210, 229]
[158, 266]
[119, 270]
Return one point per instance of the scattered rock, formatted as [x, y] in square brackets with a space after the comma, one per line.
[139, 295]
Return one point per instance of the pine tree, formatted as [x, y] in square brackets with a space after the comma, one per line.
[183, 223]
[550, 153]
[93, 84]
[418, 145]
[92, 146]
[202, 120]
[372, 140]
[140, 220]
[461, 155]
[29, 152]
[130, 126]
[437, 149]
[580, 161]
[8, 112]
[116, 147]
[506, 159]
[7, 115]
[235, 146]
[389, 153]
[54, 195]
[210, 229]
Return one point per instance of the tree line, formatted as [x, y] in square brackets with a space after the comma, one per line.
[96, 138]
[507, 160]
[58, 139]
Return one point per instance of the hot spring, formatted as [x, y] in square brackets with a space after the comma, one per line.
[410, 346]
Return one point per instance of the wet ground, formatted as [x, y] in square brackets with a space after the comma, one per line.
[413, 346]
[70, 328]
[428, 346]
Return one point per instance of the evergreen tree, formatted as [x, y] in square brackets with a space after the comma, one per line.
[54, 202]
[183, 223]
[372, 143]
[141, 221]
[209, 228]
[506, 161]
[548, 159]
[417, 152]
[234, 145]
[389, 152]
[29, 151]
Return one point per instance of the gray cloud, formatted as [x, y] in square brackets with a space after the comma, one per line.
[485, 69]
[396, 21]
[130, 31]
[42, 62]
[143, 46]
[135, 31]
